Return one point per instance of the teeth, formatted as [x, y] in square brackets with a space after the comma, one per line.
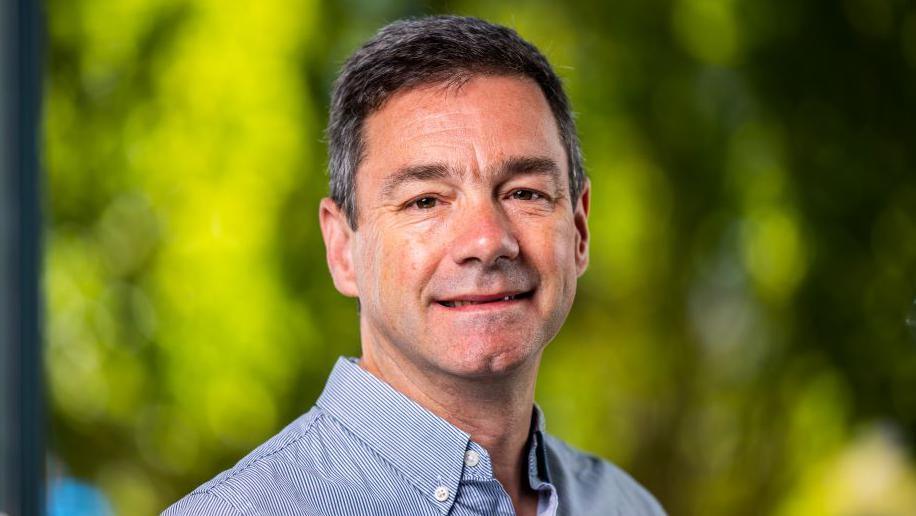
[451, 304]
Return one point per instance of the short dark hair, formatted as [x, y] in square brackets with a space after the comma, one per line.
[435, 49]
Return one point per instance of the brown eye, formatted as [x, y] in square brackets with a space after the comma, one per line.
[425, 203]
[525, 195]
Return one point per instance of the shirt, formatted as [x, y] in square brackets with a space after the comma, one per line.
[367, 449]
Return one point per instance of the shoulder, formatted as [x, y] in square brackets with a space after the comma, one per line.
[203, 503]
[237, 490]
[587, 484]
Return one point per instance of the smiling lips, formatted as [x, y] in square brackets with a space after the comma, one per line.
[485, 299]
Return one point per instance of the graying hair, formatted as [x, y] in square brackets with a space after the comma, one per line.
[431, 50]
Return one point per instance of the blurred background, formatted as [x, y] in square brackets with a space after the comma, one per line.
[744, 341]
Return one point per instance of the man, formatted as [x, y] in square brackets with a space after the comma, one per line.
[457, 218]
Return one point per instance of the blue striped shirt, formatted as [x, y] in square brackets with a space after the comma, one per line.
[366, 449]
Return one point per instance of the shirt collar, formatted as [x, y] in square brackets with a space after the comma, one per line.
[538, 472]
[426, 448]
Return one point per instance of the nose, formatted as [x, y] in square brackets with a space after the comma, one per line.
[483, 234]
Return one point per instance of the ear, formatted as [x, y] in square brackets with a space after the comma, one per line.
[580, 217]
[338, 236]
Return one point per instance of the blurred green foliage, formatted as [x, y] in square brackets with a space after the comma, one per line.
[739, 343]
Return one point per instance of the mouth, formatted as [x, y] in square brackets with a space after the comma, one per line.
[464, 301]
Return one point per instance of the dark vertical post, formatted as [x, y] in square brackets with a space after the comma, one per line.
[21, 395]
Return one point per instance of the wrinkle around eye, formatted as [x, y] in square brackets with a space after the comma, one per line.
[539, 203]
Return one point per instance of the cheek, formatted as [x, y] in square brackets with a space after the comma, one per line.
[367, 277]
[556, 247]
[402, 262]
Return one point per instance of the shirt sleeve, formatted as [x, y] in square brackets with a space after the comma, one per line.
[202, 503]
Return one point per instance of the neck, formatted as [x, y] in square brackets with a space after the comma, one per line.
[494, 411]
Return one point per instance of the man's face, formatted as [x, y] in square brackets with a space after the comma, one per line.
[468, 249]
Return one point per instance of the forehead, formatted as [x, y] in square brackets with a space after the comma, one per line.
[471, 127]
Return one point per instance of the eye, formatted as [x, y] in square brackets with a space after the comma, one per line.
[526, 195]
[424, 203]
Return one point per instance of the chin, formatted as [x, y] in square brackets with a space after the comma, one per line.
[486, 357]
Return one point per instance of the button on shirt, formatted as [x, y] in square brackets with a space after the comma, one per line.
[366, 449]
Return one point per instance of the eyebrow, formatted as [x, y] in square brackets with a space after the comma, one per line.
[513, 166]
[529, 165]
[416, 174]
